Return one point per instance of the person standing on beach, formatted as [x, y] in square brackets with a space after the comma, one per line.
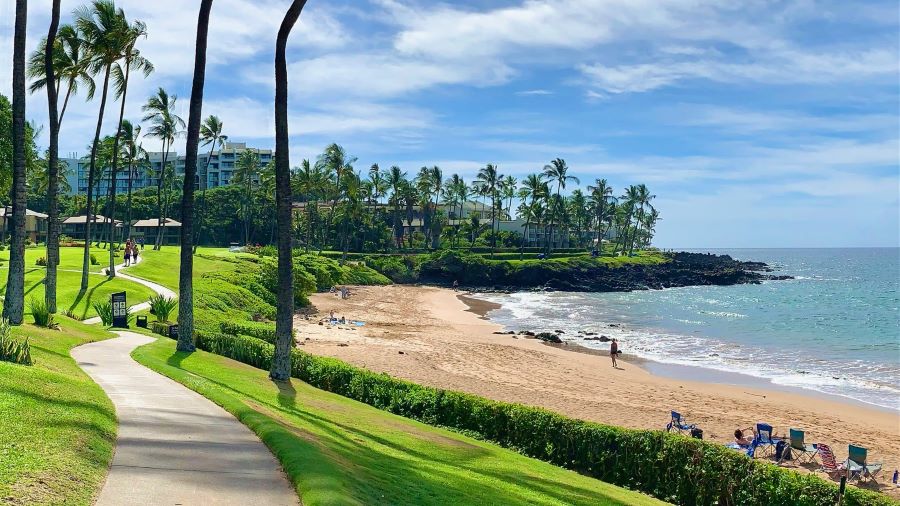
[613, 351]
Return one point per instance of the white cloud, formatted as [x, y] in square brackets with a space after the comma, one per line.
[537, 92]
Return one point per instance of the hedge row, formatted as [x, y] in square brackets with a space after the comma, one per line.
[259, 330]
[671, 467]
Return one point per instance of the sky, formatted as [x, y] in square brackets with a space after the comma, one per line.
[756, 123]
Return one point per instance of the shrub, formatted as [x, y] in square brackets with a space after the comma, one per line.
[304, 282]
[162, 306]
[671, 467]
[267, 251]
[94, 260]
[41, 313]
[161, 328]
[104, 311]
[12, 350]
[41, 262]
[259, 330]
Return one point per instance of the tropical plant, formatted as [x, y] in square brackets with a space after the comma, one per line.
[165, 126]
[246, 175]
[41, 314]
[557, 171]
[13, 350]
[210, 135]
[162, 307]
[104, 311]
[136, 158]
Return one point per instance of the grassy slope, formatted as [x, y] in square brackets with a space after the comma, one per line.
[69, 258]
[339, 451]
[57, 427]
[162, 266]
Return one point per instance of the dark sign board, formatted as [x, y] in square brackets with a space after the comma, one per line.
[141, 321]
[119, 310]
[173, 331]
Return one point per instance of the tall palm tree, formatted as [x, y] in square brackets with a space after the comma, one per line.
[104, 30]
[395, 180]
[14, 301]
[630, 200]
[69, 65]
[557, 171]
[136, 157]
[211, 135]
[165, 126]
[601, 193]
[246, 172]
[186, 269]
[52, 63]
[121, 72]
[642, 200]
[489, 179]
[281, 360]
[508, 187]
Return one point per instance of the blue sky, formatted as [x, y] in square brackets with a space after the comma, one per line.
[756, 123]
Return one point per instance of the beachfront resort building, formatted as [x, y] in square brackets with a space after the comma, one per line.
[219, 172]
[147, 231]
[74, 226]
[35, 224]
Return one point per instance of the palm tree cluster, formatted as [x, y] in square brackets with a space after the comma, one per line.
[388, 209]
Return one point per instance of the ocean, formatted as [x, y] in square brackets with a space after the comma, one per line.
[834, 329]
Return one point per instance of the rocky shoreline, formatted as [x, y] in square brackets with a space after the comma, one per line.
[683, 269]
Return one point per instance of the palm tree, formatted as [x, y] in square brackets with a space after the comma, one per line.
[211, 135]
[121, 73]
[508, 191]
[69, 65]
[52, 62]
[281, 360]
[14, 301]
[135, 156]
[642, 200]
[396, 181]
[246, 173]
[627, 209]
[165, 126]
[103, 29]
[601, 193]
[557, 171]
[186, 270]
[577, 207]
[489, 179]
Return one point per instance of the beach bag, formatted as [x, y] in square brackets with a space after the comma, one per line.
[782, 451]
[697, 433]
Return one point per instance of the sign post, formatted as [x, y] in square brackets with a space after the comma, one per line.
[119, 310]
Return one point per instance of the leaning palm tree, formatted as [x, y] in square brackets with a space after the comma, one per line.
[104, 30]
[69, 66]
[557, 171]
[186, 269]
[210, 134]
[132, 61]
[165, 126]
[281, 360]
[14, 301]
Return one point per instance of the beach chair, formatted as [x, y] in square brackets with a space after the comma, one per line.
[677, 424]
[805, 452]
[858, 466]
[764, 439]
[829, 463]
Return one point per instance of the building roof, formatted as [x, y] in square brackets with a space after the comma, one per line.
[154, 222]
[28, 212]
[82, 219]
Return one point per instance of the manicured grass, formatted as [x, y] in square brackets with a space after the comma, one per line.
[70, 258]
[67, 288]
[57, 427]
[339, 451]
[162, 266]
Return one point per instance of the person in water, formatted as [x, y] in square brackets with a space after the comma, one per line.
[613, 352]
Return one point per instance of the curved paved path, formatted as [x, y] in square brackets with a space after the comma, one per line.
[156, 287]
[175, 446]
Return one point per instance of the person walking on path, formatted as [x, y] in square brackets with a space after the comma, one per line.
[127, 253]
[613, 352]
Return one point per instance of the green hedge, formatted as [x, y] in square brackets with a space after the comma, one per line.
[259, 330]
[668, 466]
[161, 328]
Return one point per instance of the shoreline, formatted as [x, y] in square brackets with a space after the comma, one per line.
[433, 336]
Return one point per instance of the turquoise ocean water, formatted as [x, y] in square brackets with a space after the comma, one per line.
[834, 329]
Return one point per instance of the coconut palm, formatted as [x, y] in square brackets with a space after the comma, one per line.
[121, 73]
[165, 125]
[557, 171]
[136, 158]
[105, 31]
[14, 301]
[186, 269]
[533, 190]
[246, 175]
[51, 62]
[508, 186]
[396, 180]
[69, 66]
[281, 360]
[211, 135]
[489, 180]
[601, 193]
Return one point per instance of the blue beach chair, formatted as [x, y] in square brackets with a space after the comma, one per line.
[764, 439]
[678, 424]
[858, 466]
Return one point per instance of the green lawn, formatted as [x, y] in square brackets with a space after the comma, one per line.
[57, 427]
[69, 258]
[162, 266]
[67, 288]
[339, 451]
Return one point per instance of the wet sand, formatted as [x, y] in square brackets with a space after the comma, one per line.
[440, 337]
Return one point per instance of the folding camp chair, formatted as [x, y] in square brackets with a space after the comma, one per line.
[678, 424]
[805, 452]
[858, 466]
[764, 439]
[829, 463]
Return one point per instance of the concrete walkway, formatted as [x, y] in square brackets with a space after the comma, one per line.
[174, 446]
[156, 287]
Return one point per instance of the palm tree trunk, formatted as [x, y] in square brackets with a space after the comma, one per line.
[202, 208]
[159, 202]
[186, 270]
[14, 302]
[62, 111]
[86, 257]
[284, 323]
[127, 232]
[112, 176]
[52, 166]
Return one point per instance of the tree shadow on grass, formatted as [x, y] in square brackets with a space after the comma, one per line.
[86, 296]
[287, 394]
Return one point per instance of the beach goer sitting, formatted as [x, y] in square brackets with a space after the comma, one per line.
[742, 439]
[343, 320]
[613, 352]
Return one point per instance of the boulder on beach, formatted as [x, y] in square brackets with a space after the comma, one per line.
[549, 337]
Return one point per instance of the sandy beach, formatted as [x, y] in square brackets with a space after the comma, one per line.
[435, 337]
